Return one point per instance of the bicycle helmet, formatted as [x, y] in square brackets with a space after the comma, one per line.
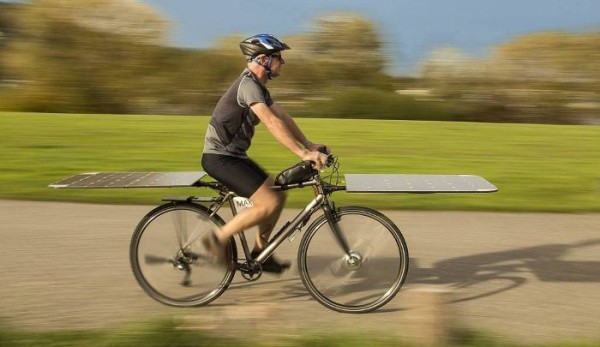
[261, 44]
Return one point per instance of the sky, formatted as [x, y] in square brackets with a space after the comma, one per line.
[410, 29]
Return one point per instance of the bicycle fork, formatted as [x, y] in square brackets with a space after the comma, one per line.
[332, 220]
[352, 259]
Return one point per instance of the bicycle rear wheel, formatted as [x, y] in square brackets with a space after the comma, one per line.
[366, 278]
[169, 261]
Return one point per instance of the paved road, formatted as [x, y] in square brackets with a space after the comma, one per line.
[532, 277]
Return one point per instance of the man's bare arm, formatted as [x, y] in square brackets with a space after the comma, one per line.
[279, 129]
[291, 124]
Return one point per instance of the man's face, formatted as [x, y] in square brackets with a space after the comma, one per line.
[277, 62]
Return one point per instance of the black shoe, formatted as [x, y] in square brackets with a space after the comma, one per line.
[271, 264]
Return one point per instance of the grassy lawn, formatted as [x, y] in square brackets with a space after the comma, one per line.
[536, 167]
[166, 333]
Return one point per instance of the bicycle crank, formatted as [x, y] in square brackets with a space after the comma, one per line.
[250, 270]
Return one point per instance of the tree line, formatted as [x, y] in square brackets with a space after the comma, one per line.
[547, 77]
[112, 56]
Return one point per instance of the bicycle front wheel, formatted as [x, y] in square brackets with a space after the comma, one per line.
[366, 277]
[169, 261]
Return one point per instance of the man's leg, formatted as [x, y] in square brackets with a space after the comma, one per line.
[265, 228]
[267, 203]
[266, 209]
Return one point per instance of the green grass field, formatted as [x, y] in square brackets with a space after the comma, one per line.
[536, 167]
[167, 332]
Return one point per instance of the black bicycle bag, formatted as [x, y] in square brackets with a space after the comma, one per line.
[298, 173]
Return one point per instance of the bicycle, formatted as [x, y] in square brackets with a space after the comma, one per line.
[351, 259]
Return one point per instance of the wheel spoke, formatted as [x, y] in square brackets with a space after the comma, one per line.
[195, 235]
[153, 259]
[179, 227]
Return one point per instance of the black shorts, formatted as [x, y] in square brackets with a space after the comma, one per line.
[243, 176]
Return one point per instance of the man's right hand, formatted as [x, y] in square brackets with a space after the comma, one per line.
[317, 158]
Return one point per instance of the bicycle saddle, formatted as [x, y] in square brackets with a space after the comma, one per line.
[301, 172]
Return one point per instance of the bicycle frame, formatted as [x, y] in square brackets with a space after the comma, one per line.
[321, 201]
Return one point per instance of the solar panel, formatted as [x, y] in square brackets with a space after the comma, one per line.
[131, 180]
[372, 183]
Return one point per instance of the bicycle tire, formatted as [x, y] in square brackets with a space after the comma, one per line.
[170, 273]
[346, 284]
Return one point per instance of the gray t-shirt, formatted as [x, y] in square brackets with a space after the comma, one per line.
[231, 127]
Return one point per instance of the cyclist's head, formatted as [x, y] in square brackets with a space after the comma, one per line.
[263, 45]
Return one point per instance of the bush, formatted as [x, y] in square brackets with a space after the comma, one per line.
[368, 103]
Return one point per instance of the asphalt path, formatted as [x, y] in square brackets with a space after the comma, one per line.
[523, 276]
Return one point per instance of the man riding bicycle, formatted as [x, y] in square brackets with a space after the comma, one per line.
[244, 105]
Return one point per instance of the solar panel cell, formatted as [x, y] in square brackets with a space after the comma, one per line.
[131, 180]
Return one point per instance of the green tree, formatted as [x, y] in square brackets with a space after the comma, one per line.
[112, 56]
[7, 32]
[345, 47]
[73, 59]
[542, 77]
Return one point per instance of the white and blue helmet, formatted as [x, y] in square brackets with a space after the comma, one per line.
[261, 44]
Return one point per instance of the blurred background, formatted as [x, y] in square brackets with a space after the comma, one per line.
[533, 62]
